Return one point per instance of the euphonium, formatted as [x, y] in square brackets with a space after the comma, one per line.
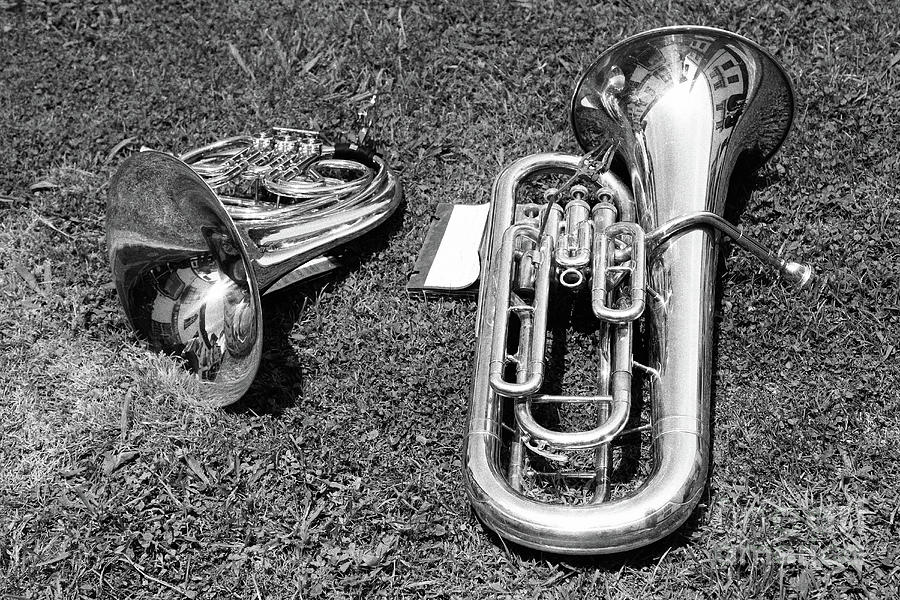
[190, 263]
[672, 111]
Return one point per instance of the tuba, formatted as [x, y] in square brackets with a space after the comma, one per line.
[632, 229]
[194, 242]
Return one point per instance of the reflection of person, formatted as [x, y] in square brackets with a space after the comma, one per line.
[213, 358]
[240, 321]
[192, 352]
[204, 359]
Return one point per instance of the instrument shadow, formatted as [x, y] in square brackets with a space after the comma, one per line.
[278, 385]
[279, 380]
[745, 182]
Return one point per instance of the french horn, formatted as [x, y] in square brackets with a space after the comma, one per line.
[195, 241]
[633, 225]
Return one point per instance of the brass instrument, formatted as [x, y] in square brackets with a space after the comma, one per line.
[664, 117]
[194, 242]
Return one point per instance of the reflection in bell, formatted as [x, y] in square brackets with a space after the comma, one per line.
[199, 315]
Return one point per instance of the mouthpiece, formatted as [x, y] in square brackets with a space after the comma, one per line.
[797, 273]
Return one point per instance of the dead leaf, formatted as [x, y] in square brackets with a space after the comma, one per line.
[125, 416]
[370, 560]
[310, 64]
[86, 497]
[236, 54]
[46, 222]
[112, 462]
[118, 148]
[69, 473]
[894, 60]
[53, 560]
[195, 466]
[42, 186]
[28, 276]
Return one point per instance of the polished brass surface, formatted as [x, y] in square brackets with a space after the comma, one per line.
[673, 111]
[190, 265]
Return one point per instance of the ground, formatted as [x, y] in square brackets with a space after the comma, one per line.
[339, 475]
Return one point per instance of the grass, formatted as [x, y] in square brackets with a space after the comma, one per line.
[339, 475]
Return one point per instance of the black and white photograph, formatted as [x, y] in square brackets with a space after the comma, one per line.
[527, 299]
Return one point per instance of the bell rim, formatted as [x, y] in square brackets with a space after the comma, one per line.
[675, 29]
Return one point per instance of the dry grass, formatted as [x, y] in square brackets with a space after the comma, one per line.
[339, 475]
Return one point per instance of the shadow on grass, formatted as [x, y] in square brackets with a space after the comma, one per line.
[278, 384]
[744, 182]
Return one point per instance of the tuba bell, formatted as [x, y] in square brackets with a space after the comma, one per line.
[194, 242]
[631, 227]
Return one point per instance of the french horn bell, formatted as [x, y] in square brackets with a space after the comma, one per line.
[190, 264]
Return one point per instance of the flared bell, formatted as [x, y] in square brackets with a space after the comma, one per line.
[183, 273]
[683, 105]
